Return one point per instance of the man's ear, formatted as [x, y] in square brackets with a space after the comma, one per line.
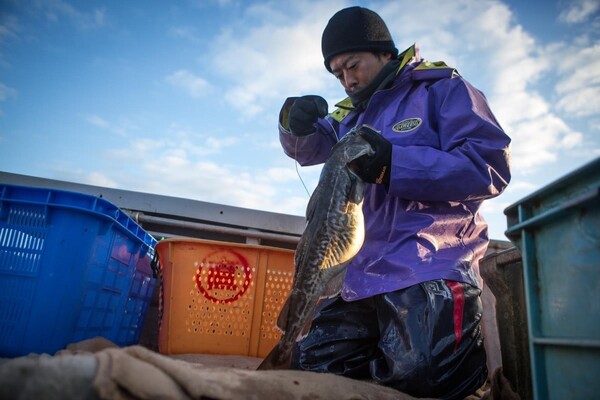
[385, 56]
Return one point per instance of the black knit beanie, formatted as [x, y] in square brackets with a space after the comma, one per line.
[356, 29]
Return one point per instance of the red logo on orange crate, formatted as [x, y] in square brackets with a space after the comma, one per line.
[223, 276]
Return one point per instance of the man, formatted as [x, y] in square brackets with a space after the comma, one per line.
[409, 312]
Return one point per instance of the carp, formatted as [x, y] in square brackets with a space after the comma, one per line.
[333, 235]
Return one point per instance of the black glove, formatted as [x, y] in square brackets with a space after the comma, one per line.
[304, 114]
[375, 168]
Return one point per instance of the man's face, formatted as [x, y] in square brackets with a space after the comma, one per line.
[356, 70]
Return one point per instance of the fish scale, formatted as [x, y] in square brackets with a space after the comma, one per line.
[333, 235]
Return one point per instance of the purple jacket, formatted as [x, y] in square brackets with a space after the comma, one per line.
[448, 155]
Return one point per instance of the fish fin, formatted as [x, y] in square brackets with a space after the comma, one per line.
[334, 286]
[312, 203]
[283, 315]
[305, 330]
[332, 289]
[274, 360]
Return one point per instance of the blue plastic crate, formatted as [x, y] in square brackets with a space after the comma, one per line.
[72, 267]
[557, 230]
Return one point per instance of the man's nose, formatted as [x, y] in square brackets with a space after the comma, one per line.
[350, 81]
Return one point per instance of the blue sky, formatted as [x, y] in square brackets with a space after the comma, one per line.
[181, 98]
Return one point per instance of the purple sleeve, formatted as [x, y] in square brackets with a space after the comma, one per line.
[471, 161]
[307, 150]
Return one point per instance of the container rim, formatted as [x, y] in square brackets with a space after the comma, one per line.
[121, 218]
[164, 242]
[555, 186]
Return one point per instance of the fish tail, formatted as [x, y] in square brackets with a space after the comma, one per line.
[276, 359]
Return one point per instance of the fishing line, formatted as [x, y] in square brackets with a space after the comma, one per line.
[296, 156]
[297, 170]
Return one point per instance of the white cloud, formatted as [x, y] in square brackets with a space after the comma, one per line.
[99, 179]
[578, 87]
[281, 175]
[189, 164]
[175, 149]
[54, 10]
[538, 141]
[97, 121]
[275, 57]
[519, 106]
[520, 185]
[9, 27]
[137, 149]
[578, 11]
[194, 85]
[580, 103]
[9, 30]
[6, 92]
[494, 206]
[177, 175]
[217, 144]
[197, 144]
[185, 32]
[510, 63]
[122, 127]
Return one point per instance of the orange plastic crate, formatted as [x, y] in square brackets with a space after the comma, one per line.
[221, 298]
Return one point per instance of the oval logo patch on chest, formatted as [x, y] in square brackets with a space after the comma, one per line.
[407, 125]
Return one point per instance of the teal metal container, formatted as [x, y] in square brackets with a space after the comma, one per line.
[557, 229]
